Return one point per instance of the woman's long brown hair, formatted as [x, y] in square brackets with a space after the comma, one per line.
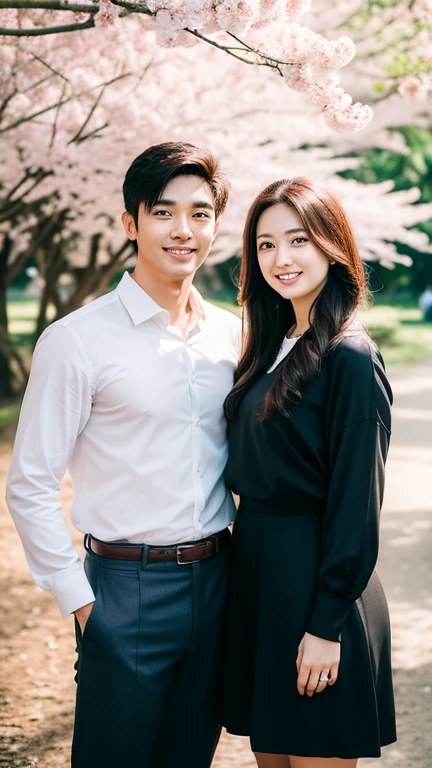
[267, 317]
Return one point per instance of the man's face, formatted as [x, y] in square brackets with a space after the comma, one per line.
[175, 236]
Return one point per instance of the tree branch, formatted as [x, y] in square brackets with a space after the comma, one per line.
[46, 30]
[60, 103]
[51, 5]
[89, 116]
[48, 66]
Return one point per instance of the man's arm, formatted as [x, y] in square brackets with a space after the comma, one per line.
[55, 409]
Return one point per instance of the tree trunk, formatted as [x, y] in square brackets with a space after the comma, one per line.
[6, 372]
[13, 373]
[94, 279]
[54, 263]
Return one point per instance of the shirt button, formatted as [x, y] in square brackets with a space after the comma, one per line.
[199, 471]
[197, 423]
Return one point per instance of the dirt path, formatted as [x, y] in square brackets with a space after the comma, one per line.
[37, 649]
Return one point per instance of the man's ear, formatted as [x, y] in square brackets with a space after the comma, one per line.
[216, 227]
[129, 225]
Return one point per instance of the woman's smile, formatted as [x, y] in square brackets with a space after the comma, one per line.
[289, 277]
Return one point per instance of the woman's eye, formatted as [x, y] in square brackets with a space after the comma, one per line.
[299, 240]
[265, 246]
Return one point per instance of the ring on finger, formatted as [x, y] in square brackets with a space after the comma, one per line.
[323, 678]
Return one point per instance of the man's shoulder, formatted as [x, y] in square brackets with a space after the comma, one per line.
[79, 326]
[218, 314]
[96, 309]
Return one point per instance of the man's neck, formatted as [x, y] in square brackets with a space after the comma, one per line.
[172, 295]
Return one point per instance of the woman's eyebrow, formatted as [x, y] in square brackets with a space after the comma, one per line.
[288, 232]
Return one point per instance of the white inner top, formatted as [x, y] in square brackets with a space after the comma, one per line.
[286, 347]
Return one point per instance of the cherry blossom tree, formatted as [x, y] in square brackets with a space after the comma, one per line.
[271, 37]
[73, 116]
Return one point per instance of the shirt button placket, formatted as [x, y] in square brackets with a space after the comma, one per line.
[196, 452]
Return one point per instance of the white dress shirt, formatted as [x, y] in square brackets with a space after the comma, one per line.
[135, 411]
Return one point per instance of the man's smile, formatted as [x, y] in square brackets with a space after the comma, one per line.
[180, 253]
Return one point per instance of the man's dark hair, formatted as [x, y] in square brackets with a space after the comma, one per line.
[151, 171]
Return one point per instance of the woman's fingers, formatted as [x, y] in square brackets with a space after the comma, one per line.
[302, 679]
[334, 674]
[323, 681]
[312, 683]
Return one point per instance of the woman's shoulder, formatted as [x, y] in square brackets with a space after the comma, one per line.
[355, 351]
[358, 375]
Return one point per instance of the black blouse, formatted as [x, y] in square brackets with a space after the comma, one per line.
[328, 456]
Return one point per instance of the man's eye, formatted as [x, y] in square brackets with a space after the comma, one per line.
[162, 213]
[201, 214]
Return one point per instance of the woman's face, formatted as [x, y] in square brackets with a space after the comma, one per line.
[290, 263]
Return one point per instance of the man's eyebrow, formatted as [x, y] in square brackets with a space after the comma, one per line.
[288, 232]
[194, 204]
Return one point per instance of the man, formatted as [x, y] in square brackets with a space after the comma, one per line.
[128, 392]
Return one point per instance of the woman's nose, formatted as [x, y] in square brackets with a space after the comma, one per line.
[283, 257]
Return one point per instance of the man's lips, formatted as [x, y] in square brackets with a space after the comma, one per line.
[180, 253]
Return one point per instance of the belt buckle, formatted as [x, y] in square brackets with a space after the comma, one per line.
[182, 547]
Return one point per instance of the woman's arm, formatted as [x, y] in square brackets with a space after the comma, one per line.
[357, 449]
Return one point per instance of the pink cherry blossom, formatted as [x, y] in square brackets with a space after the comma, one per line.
[415, 87]
[423, 10]
[349, 119]
[107, 14]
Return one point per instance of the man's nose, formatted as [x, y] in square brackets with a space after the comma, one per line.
[181, 228]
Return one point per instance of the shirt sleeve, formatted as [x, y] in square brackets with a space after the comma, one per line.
[55, 409]
[357, 454]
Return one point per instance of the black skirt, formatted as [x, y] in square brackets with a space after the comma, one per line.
[275, 560]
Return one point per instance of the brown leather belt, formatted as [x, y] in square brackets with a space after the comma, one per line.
[182, 554]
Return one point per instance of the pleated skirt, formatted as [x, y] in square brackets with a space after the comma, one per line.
[275, 560]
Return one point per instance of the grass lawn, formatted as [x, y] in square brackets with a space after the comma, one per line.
[399, 331]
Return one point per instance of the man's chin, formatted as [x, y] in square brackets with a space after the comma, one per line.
[184, 268]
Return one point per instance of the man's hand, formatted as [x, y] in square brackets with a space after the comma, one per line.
[82, 615]
[316, 657]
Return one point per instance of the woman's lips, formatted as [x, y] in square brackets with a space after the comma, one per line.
[289, 278]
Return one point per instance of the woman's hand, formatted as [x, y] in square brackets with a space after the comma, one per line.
[316, 657]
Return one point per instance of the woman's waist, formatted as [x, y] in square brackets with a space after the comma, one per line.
[284, 505]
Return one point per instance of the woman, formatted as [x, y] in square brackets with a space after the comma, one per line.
[307, 673]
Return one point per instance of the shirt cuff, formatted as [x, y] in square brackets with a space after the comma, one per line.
[71, 589]
[328, 615]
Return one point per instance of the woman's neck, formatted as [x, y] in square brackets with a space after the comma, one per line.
[301, 325]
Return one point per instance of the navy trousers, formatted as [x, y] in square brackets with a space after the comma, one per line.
[148, 664]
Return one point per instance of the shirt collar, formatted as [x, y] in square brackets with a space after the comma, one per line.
[142, 307]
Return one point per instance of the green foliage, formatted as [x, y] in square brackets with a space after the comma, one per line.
[398, 30]
[399, 331]
[413, 169]
[9, 415]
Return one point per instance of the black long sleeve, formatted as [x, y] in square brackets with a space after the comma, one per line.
[359, 431]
